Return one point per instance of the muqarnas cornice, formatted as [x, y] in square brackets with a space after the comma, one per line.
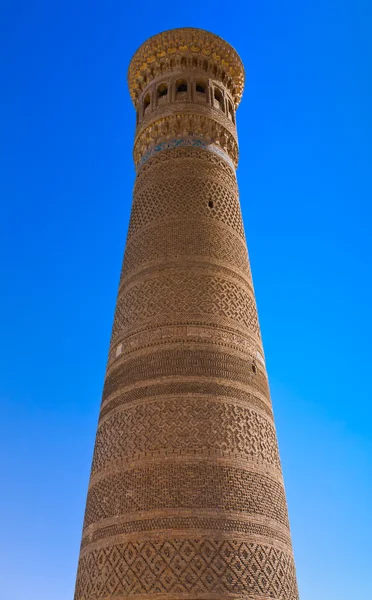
[183, 126]
[184, 48]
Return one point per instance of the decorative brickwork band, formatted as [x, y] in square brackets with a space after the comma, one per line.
[187, 568]
[168, 145]
[186, 499]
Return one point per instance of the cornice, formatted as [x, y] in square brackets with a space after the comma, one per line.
[185, 126]
[154, 58]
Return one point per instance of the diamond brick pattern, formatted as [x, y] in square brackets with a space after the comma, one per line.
[187, 566]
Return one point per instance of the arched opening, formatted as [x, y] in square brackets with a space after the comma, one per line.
[146, 103]
[231, 113]
[162, 90]
[181, 86]
[218, 98]
[200, 92]
[183, 61]
[181, 90]
[162, 93]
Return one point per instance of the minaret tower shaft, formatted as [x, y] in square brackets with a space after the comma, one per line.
[186, 497]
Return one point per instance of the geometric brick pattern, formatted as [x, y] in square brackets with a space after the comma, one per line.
[186, 158]
[185, 363]
[160, 426]
[150, 245]
[186, 195]
[184, 293]
[226, 337]
[183, 523]
[188, 567]
[180, 389]
[194, 485]
[186, 497]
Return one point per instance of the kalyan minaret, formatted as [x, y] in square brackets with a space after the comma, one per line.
[186, 497]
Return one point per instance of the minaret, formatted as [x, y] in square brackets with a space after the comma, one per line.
[186, 497]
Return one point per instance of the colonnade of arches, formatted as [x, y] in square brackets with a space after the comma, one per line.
[186, 90]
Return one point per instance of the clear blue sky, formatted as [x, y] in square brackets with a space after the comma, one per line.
[66, 178]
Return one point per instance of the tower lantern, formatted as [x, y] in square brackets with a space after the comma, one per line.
[186, 497]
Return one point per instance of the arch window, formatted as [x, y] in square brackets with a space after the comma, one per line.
[146, 103]
[231, 113]
[181, 86]
[218, 98]
[200, 87]
[162, 92]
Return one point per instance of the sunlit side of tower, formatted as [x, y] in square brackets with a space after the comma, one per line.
[186, 496]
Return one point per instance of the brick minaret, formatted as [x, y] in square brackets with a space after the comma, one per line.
[186, 496]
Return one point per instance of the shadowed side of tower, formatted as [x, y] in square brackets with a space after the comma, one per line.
[186, 496]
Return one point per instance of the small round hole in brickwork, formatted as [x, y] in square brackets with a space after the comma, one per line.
[211, 204]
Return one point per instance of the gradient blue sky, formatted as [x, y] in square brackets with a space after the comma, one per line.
[66, 178]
